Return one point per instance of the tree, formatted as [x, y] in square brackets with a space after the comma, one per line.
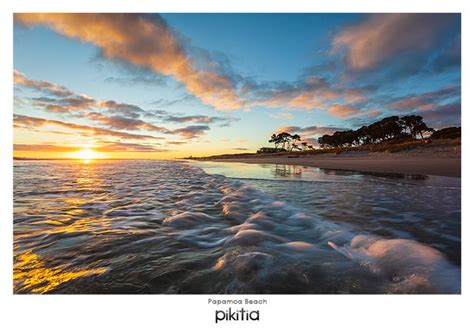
[384, 129]
[391, 127]
[415, 125]
[285, 139]
[363, 136]
[294, 139]
[447, 133]
[387, 128]
[274, 140]
[294, 146]
[326, 141]
[282, 139]
[421, 129]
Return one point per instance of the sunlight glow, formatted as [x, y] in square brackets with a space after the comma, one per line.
[31, 272]
[86, 155]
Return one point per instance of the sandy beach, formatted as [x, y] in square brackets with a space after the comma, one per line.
[441, 161]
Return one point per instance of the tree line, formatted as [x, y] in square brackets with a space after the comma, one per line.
[287, 141]
[410, 126]
[395, 127]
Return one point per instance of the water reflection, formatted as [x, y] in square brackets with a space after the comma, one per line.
[342, 172]
[279, 170]
[306, 173]
[168, 227]
[298, 172]
[32, 274]
[55, 208]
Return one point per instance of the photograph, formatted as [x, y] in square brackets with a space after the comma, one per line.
[236, 153]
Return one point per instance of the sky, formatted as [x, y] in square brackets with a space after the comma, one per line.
[176, 85]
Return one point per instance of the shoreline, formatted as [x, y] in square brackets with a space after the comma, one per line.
[410, 162]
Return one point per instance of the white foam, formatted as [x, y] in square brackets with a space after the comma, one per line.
[411, 266]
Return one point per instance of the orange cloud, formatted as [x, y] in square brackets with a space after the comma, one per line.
[119, 122]
[59, 99]
[425, 101]
[77, 103]
[312, 93]
[33, 122]
[72, 102]
[149, 42]
[383, 36]
[44, 148]
[57, 90]
[104, 147]
[342, 110]
[143, 41]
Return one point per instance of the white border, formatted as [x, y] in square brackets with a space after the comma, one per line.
[311, 314]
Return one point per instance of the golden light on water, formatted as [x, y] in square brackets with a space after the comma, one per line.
[30, 272]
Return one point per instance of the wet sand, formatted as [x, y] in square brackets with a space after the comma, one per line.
[441, 163]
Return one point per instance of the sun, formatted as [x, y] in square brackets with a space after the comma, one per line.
[86, 155]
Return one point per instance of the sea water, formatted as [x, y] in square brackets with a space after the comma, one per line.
[125, 226]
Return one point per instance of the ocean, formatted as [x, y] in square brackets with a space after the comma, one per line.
[171, 227]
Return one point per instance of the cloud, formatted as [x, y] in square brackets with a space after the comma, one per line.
[148, 42]
[310, 130]
[63, 100]
[378, 50]
[113, 106]
[115, 146]
[425, 101]
[198, 119]
[123, 123]
[240, 149]
[73, 103]
[194, 119]
[146, 79]
[343, 110]
[33, 122]
[145, 41]
[124, 116]
[107, 146]
[44, 148]
[176, 143]
[381, 37]
[310, 93]
[166, 103]
[82, 106]
[44, 86]
[374, 51]
[190, 132]
[441, 116]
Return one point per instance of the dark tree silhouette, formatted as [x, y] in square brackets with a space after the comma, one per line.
[282, 139]
[415, 125]
[447, 133]
[294, 140]
[385, 129]
[274, 139]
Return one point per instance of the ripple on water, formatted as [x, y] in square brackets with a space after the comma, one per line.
[168, 227]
